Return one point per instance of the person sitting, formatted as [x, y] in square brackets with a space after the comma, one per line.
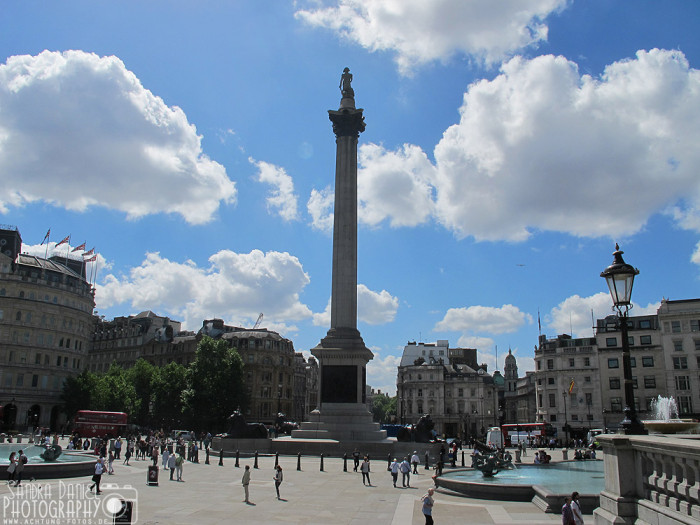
[577, 455]
[537, 458]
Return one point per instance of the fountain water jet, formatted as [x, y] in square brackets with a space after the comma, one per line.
[664, 422]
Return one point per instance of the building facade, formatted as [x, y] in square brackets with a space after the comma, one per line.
[46, 318]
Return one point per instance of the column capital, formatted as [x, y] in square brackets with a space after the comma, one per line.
[347, 122]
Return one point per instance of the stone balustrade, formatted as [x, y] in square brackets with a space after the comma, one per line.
[651, 480]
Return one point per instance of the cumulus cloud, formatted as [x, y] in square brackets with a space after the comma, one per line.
[484, 319]
[320, 207]
[576, 315]
[421, 31]
[475, 341]
[695, 258]
[50, 249]
[373, 308]
[542, 147]
[235, 287]
[281, 198]
[381, 372]
[88, 122]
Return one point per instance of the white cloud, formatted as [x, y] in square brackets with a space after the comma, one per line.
[373, 308]
[281, 197]
[40, 250]
[235, 287]
[420, 31]
[475, 341]
[87, 122]
[394, 185]
[381, 372]
[577, 314]
[695, 258]
[484, 319]
[541, 147]
[320, 207]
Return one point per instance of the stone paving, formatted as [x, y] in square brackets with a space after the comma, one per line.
[212, 494]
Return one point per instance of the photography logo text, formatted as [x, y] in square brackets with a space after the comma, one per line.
[69, 504]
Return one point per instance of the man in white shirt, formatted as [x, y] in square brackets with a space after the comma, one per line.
[414, 461]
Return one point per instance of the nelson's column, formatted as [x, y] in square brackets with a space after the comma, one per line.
[342, 354]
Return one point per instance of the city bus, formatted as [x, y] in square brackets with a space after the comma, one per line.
[515, 433]
[95, 423]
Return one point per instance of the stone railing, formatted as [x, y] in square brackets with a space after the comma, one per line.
[651, 479]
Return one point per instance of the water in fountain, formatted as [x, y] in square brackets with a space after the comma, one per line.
[664, 408]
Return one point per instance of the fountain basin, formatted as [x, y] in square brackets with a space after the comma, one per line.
[671, 426]
[70, 463]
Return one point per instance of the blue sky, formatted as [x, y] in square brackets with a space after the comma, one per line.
[509, 145]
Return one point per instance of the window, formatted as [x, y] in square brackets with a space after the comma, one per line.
[614, 383]
[550, 380]
[645, 339]
[18, 317]
[587, 379]
[586, 361]
[678, 346]
[574, 417]
[37, 358]
[645, 323]
[633, 362]
[539, 401]
[676, 327]
[616, 404]
[680, 363]
[20, 380]
[552, 400]
[460, 392]
[539, 365]
[611, 341]
[420, 394]
[553, 418]
[682, 383]
[613, 362]
[571, 362]
[696, 341]
[648, 361]
[695, 325]
[35, 380]
[634, 382]
[685, 405]
[649, 381]
[550, 364]
[589, 399]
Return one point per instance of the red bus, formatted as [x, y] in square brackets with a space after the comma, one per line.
[514, 433]
[93, 423]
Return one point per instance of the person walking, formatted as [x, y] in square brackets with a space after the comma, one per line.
[364, 468]
[414, 461]
[428, 503]
[567, 514]
[246, 481]
[576, 509]
[11, 468]
[178, 466]
[395, 471]
[278, 479]
[19, 467]
[356, 459]
[127, 454]
[171, 465]
[166, 457]
[97, 476]
[405, 469]
[110, 469]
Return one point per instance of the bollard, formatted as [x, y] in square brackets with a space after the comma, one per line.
[463, 458]
[321, 461]
[221, 457]
[238, 455]
[517, 456]
[427, 460]
[255, 464]
[565, 454]
[206, 461]
[277, 459]
[299, 461]
[388, 463]
[345, 462]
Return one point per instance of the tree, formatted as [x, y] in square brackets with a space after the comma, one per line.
[214, 385]
[167, 386]
[140, 376]
[78, 392]
[116, 393]
[383, 408]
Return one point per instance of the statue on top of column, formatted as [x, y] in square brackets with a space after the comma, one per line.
[345, 80]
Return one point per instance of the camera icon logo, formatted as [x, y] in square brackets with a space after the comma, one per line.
[120, 506]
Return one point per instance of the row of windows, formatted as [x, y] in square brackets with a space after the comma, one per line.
[647, 362]
[649, 382]
[21, 357]
[676, 327]
[80, 305]
[643, 340]
[10, 380]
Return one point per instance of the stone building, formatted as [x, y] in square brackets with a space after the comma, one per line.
[46, 308]
[460, 396]
[519, 398]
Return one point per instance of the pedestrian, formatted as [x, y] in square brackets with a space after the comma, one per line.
[127, 454]
[178, 466]
[11, 468]
[364, 468]
[405, 469]
[428, 503]
[567, 514]
[97, 476]
[110, 469]
[19, 467]
[414, 461]
[395, 471]
[246, 482]
[278, 479]
[576, 509]
[118, 448]
[154, 456]
[166, 455]
[356, 459]
[171, 465]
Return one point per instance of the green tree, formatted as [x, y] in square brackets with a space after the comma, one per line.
[79, 392]
[141, 376]
[167, 386]
[214, 385]
[383, 408]
[116, 393]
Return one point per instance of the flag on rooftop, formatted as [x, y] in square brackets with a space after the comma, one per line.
[80, 247]
[65, 240]
[91, 259]
[89, 252]
[46, 237]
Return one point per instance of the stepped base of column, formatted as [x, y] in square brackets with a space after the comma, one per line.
[341, 422]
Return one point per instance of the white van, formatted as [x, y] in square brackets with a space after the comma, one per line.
[592, 434]
[494, 437]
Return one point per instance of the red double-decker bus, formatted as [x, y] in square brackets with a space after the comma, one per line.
[95, 423]
[514, 433]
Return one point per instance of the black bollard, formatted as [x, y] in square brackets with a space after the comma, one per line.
[299, 461]
[221, 457]
[427, 460]
[277, 459]
[255, 464]
[321, 461]
[388, 463]
[237, 456]
[345, 462]
[463, 458]
[206, 461]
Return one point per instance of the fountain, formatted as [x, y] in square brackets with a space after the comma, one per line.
[664, 422]
[49, 462]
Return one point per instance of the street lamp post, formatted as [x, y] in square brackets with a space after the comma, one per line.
[566, 420]
[620, 278]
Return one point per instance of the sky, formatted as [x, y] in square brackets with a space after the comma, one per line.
[509, 145]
